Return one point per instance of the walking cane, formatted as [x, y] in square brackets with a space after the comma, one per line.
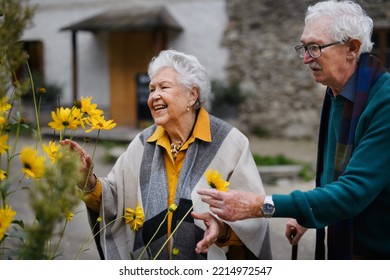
[294, 249]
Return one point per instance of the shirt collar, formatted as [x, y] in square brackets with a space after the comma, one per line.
[349, 91]
[201, 129]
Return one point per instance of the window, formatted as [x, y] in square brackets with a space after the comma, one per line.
[381, 49]
[34, 49]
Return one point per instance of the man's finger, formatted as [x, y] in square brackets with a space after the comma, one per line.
[209, 192]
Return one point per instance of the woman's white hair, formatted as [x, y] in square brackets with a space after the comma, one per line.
[190, 72]
[347, 20]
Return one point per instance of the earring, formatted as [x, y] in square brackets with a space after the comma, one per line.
[188, 108]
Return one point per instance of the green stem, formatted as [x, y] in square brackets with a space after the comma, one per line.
[150, 240]
[82, 248]
[59, 241]
[17, 133]
[173, 232]
[35, 106]
[62, 134]
[93, 156]
[85, 186]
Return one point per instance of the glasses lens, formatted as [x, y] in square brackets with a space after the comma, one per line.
[314, 51]
[300, 50]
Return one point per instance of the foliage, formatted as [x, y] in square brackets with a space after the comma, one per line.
[224, 94]
[48, 173]
[113, 149]
[260, 131]
[54, 90]
[306, 173]
[273, 160]
[51, 198]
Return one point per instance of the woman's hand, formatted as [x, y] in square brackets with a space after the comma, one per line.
[88, 180]
[294, 231]
[233, 205]
[213, 228]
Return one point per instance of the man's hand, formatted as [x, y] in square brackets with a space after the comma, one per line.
[294, 231]
[233, 205]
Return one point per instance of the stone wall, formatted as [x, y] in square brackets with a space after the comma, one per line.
[282, 98]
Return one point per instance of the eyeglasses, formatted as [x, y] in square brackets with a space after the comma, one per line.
[314, 50]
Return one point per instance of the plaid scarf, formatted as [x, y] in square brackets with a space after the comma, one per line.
[340, 237]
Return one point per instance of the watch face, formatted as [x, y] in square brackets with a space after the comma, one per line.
[268, 209]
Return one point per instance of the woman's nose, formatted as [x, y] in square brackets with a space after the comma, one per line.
[154, 95]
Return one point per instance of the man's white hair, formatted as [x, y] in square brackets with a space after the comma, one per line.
[347, 20]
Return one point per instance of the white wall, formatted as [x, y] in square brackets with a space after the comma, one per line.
[203, 21]
[57, 46]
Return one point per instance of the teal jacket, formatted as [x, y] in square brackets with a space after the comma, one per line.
[363, 190]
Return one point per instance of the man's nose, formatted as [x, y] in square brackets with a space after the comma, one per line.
[307, 57]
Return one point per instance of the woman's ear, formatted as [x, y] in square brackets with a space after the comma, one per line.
[194, 95]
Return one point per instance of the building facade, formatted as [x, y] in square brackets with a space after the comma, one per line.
[283, 99]
[101, 48]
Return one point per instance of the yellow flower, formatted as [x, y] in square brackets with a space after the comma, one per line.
[3, 120]
[89, 108]
[99, 219]
[3, 175]
[69, 215]
[32, 164]
[135, 217]
[52, 150]
[3, 143]
[4, 106]
[214, 179]
[66, 118]
[98, 123]
[6, 218]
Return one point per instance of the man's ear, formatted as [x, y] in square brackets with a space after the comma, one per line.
[354, 46]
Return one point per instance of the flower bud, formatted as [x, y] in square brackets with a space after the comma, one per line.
[172, 208]
[41, 91]
[77, 104]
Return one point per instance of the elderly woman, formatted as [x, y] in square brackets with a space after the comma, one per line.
[165, 164]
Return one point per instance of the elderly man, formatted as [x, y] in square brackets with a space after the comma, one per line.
[352, 191]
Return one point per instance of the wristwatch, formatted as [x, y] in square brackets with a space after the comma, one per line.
[268, 207]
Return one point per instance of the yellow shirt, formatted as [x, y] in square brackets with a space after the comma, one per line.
[173, 165]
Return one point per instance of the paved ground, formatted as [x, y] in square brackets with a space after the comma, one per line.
[303, 151]
[78, 232]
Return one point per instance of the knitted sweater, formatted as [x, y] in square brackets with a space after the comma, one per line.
[362, 192]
